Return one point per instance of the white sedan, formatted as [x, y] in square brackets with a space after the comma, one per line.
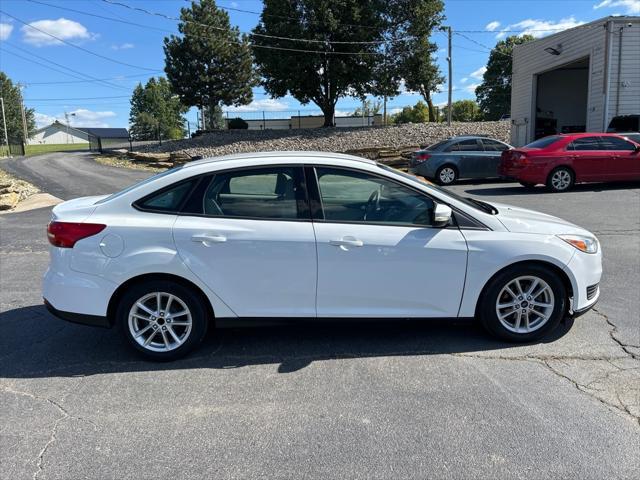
[302, 235]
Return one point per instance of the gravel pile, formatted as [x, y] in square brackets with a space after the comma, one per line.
[13, 190]
[330, 139]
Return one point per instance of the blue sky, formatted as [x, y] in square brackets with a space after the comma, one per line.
[26, 54]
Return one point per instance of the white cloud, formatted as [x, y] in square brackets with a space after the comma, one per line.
[540, 28]
[268, 104]
[62, 28]
[402, 88]
[464, 80]
[492, 25]
[5, 30]
[122, 46]
[630, 6]
[477, 74]
[80, 117]
[471, 88]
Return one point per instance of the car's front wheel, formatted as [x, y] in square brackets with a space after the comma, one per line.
[523, 303]
[446, 175]
[560, 180]
[163, 320]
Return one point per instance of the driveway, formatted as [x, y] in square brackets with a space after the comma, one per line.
[392, 400]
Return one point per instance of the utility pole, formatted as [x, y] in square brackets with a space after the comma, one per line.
[450, 61]
[66, 118]
[24, 117]
[4, 123]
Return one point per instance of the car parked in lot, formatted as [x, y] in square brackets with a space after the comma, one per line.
[560, 161]
[302, 236]
[458, 157]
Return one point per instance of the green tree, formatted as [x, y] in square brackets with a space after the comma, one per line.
[419, 113]
[410, 54]
[494, 93]
[321, 78]
[12, 98]
[464, 111]
[371, 107]
[210, 63]
[155, 109]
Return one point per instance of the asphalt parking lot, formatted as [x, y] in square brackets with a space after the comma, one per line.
[392, 400]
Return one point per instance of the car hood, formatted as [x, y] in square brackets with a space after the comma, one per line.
[523, 220]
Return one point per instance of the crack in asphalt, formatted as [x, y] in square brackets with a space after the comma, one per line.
[612, 332]
[65, 414]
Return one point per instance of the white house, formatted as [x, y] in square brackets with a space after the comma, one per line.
[576, 80]
[58, 133]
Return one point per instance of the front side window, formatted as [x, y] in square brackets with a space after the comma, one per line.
[585, 143]
[270, 192]
[358, 197]
[615, 143]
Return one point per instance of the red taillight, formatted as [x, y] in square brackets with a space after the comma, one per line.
[520, 159]
[420, 157]
[66, 234]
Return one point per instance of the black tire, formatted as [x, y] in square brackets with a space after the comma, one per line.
[447, 179]
[528, 186]
[488, 302]
[192, 300]
[561, 179]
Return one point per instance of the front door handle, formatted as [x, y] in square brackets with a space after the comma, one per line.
[209, 238]
[347, 242]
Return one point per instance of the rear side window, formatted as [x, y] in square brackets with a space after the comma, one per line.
[585, 143]
[615, 143]
[270, 193]
[167, 200]
[543, 142]
[465, 146]
[494, 145]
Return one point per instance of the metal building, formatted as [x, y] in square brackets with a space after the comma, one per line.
[576, 80]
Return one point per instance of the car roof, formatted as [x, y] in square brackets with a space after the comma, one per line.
[311, 157]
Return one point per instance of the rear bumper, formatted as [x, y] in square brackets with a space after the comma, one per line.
[81, 318]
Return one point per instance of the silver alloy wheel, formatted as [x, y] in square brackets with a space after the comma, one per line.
[160, 322]
[561, 179]
[447, 175]
[525, 304]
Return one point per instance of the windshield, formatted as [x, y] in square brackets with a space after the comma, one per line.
[468, 201]
[543, 142]
[139, 184]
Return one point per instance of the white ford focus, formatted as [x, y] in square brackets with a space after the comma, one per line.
[308, 235]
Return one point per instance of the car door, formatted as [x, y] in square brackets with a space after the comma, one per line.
[492, 156]
[378, 256]
[249, 237]
[588, 159]
[467, 156]
[624, 161]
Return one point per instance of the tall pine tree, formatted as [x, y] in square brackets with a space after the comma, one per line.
[155, 110]
[12, 98]
[210, 63]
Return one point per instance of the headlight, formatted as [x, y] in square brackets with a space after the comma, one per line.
[583, 243]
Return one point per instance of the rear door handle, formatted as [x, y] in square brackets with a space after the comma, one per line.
[347, 242]
[209, 238]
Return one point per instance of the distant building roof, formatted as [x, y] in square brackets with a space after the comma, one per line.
[106, 132]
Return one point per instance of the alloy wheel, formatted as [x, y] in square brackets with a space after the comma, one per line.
[561, 179]
[525, 304]
[160, 322]
[447, 175]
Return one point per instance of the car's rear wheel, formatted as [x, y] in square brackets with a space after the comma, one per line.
[163, 320]
[446, 175]
[561, 179]
[523, 303]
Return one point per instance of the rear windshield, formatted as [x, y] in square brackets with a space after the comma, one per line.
[437, 145]
[139, 184]
[543, 142]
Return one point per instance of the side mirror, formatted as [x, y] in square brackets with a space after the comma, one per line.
[442, 215]
[637, 149]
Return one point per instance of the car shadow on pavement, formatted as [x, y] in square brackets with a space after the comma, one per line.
[34, 344]
[517, 189]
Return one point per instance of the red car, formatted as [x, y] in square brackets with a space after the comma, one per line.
[560, 161]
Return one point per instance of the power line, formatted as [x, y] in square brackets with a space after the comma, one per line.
[75, 98]
[118, 77]
[65, 71]
[104, 57]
